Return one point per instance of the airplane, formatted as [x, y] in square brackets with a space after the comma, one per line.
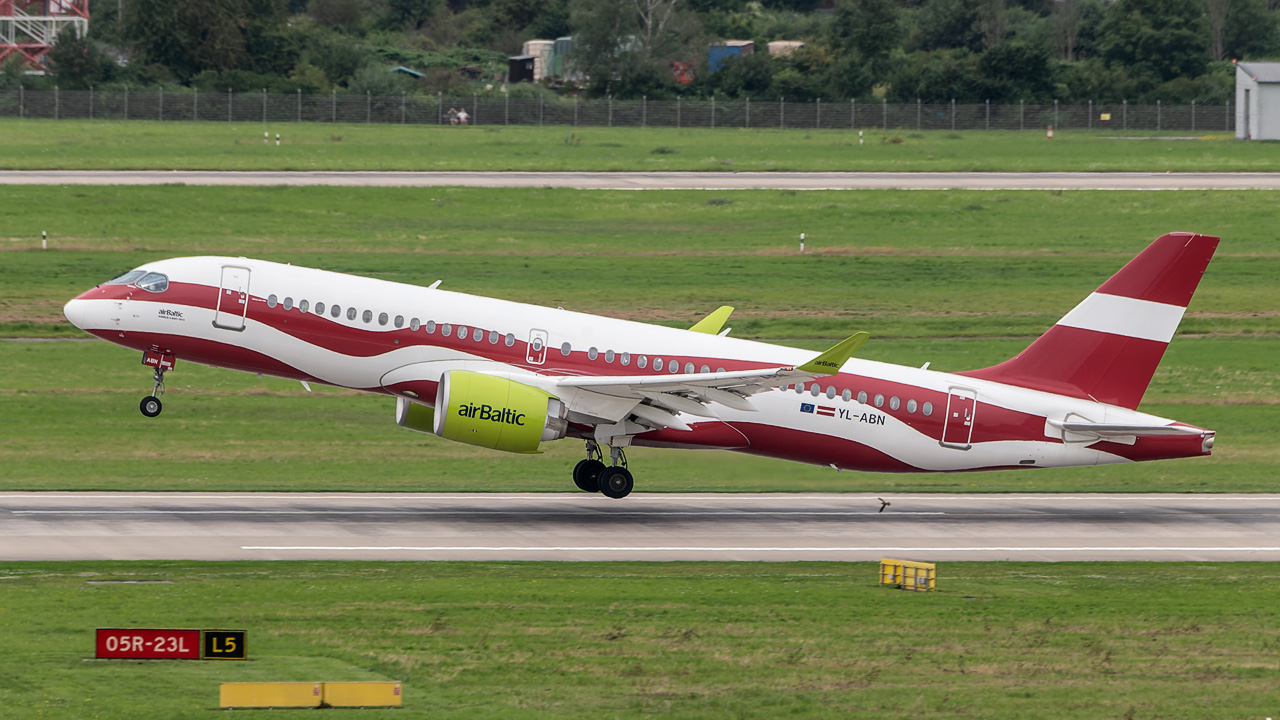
[511, 376]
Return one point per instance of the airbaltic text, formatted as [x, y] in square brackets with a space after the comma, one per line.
[490, 413]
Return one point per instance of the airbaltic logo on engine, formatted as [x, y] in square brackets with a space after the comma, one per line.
[492, 414]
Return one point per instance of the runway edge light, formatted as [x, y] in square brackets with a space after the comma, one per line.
[909, 575]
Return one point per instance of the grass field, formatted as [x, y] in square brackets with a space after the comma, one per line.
[958, 279]
[687, 640]
[78, 144]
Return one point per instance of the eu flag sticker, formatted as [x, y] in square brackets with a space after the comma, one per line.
[806, 407]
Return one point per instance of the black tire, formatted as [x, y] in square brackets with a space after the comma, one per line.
[616, 482]
[150, 406]
[586, 475]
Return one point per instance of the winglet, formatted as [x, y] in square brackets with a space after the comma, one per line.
[713, 323]
[830, 362]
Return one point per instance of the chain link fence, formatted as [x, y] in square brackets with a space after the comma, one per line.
[156, 104]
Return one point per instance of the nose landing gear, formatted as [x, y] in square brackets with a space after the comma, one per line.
[151, 405]
[592, 475]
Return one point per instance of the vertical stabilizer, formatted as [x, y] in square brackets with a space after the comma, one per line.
[1108, 347]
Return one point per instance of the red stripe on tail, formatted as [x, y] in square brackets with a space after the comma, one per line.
[1100, 363]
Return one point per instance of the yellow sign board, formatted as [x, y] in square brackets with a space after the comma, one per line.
[909, 575]
[1104, 116]
[268, 694]
[362, 694]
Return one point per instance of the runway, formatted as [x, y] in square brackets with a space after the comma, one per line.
[644, 526]
[665, 180]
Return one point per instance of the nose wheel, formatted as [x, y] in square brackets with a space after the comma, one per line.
[151, 405]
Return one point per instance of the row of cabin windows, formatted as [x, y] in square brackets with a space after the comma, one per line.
[642, 361]
[894, 401]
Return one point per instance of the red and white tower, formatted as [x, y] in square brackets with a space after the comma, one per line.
[28, 28]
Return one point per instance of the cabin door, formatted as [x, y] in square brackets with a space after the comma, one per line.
[957, 428]
[233, 298]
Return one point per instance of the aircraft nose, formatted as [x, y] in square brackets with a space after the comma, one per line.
[74, 310]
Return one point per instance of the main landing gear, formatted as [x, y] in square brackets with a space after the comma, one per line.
[592, 475]
[151, 405]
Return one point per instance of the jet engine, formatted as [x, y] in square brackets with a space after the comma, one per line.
[489, 411]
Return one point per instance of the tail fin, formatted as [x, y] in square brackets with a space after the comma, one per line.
[1108, 347]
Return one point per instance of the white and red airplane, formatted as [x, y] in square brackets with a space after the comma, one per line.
[509, 376]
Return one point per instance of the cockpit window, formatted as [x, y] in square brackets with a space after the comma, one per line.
[127, 278]
[153, 282]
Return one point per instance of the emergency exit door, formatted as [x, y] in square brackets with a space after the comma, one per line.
[233, 298]
[957, 428]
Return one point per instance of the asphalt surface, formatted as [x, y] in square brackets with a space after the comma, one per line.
[666, 180]
[644, 526]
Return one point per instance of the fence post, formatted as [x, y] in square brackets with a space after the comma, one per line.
[160, 112]
[1022, 115]
[713, 110]
[609, 98]
[644, 110]
[988, 114]
[1193, 113]
[475, 109]
[126, 101]
[782, 113]
[1126, 114]
[679, 105]
[56, 103]
[229, 103]
[1157, 116]
[852, 115]
[22, 102]
[91, 106]
[953, 114]
[506, 107]
[440, 108]
[299, 104]
[540, 101]
[402, 105]
[918, 107]
[195, 102]
[264, 106]
[368, 106]
[885, 102]
[1226, 124]
[575, 110]
[333, 99]
[817, 114]
[1055, 113]
[1090, 114]
[748, 112]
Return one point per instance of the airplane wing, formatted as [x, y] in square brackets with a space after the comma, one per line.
[658, 398]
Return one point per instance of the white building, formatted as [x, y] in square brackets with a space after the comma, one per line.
[1257, 101]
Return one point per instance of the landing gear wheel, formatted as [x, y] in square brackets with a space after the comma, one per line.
[616, 482]
[150, 406]
[586, 475]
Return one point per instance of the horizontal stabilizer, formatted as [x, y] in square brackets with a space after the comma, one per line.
[1119, 430]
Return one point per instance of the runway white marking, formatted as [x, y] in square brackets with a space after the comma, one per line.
[639, 497]
[439, 511]
[873, 548]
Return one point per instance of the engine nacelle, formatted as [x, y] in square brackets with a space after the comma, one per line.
[489, 411]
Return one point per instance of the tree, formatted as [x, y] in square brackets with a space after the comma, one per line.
[869, 29]
[991, 21]
[407, 14]
[76, 62]
[190, 36]
[1250, 30]
[1157, 40]
[1217, 17]
[1065, 19]
[629, 41]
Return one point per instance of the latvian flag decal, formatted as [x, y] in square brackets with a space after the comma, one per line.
[817, 409]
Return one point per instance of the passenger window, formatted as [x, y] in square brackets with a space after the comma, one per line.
[382, 318]
[642, 361]
[414, 324]
[319, 308]
[928, 408]
[894, 403]
[565, 349]
[879, 400]
[719, 370]
[657, 365]
[625, 358]
[510, 340]
[351, 313]
[368, 316]
[609, 356]
[272, 301]
[399, 321]
[493, 337]
[462, 332]
[847, 395]
[477, 335]
[335, 311]
[154, 282]
[815, 390]
[799, 388]
[288, 303]
[304, 306]
[674, 367]
[911, 406]
[592, 353]
[431, 326]
[688, 368]
[862, 397]
[446, 329]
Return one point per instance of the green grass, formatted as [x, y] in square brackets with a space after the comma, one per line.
[78, 144]
[898, 264]
[688, 640]
[70, 422]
